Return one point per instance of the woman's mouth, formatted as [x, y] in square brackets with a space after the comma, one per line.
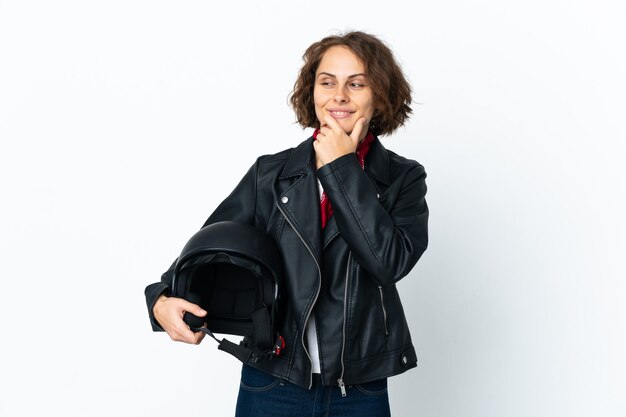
[340, 114]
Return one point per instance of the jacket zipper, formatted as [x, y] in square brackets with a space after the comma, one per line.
[340, 382]
[317, 292]
[382, 303]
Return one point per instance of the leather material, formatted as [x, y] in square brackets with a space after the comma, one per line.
[344, 274]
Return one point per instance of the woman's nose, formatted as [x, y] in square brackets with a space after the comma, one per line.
[340, 95]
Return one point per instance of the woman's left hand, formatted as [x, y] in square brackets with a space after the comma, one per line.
[333, 142]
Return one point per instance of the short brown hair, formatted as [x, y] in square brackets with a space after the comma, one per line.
[391, 90]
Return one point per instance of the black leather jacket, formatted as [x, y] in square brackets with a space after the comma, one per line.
[344, 274]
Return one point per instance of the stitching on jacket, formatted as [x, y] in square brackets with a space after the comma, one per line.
[349, 297]
[293, 354]
[256, 187]
[379, 356]
[280, 227]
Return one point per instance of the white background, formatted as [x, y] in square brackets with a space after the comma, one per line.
[124, 123]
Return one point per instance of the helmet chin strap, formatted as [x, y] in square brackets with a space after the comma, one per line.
[242, 353]
[261, 324]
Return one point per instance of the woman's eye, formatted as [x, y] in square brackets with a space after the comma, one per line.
[327, 83]
[356, 85]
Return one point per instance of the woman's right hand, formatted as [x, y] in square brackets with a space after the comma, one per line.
[169, 312]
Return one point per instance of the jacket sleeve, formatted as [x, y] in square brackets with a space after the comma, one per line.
[239, 206]
[387, 242]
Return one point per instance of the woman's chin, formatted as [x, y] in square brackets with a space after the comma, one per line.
[347, 126]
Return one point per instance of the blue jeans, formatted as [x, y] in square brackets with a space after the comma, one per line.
[263, 395]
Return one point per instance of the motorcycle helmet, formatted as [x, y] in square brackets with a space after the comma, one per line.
[234, 272]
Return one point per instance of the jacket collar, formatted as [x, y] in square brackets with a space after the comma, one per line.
[376, 163]
[304, 213]
[299, 160]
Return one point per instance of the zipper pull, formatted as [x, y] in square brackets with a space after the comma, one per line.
[342, 387]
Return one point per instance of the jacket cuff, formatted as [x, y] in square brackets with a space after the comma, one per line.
[347, 159]
[153, 292]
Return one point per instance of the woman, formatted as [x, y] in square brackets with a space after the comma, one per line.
[350, 219]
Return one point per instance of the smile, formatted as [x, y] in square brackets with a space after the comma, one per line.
[340, 114]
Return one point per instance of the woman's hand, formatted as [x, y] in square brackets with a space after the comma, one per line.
[333, 142]
[169, 312]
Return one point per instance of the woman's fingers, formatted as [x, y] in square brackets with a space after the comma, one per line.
[333, 125]
[357, 130]
[169, 312]
[192, 308]
[333, 142]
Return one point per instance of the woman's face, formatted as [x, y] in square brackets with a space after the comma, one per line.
[342, 89]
